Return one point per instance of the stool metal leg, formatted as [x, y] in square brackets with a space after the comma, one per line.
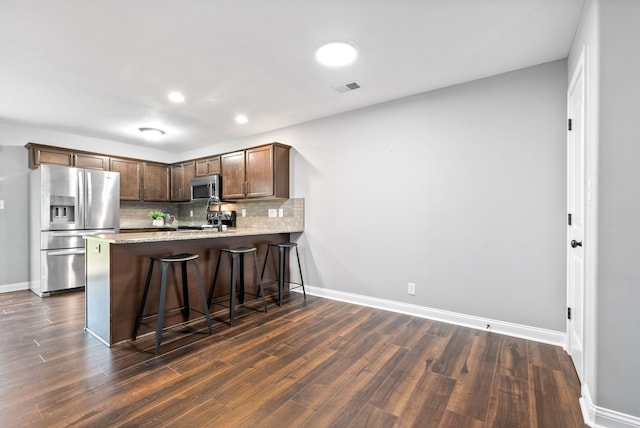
[281, 264]
[215, 277]
[205, 305]
[241, 284]
[232, 297]
[185, 291]
[264, 300]
[264, 266]
[161, 304]
[144, 300]
[304, 293]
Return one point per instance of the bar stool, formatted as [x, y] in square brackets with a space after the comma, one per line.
[165, 262]
[282, 247]
[237, 262]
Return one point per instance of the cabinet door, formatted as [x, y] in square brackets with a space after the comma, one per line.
[176, 182]
[129, 178]
[233, 181]
[52, 156]
[155, 179]
[202, 167]
[208, 166]
[259, 172]
[188, 172]
[181, 176]
[86, 160]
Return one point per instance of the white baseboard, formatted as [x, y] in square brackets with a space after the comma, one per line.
[6, 288]
[600, 417]
[526, 332]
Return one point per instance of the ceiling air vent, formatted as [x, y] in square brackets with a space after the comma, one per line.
[347, 87]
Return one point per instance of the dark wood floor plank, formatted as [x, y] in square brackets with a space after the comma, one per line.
[394, 393]
[509, 407]
[513, 357]
[427, 405]
[313, 362]
[370, 416]
[344, 405]
[543, 355]
[549, 398]
[452, 359]
[454, 420]
[472, 392]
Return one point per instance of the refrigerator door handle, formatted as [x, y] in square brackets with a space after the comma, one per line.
[89, 197]
[82, 215]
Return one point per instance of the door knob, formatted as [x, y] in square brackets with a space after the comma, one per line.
[575, 243]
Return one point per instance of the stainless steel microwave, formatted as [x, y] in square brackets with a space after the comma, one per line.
[204, 188]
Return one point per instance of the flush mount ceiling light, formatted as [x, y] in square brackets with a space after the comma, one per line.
[176, 97]
[242, 119]
[336, 54]
[151, 134]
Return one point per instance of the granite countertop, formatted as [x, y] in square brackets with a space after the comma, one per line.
[183, 234]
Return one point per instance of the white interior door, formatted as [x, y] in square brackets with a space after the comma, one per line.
[576, 221]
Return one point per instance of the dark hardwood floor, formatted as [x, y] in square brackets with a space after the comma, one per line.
[319, 364]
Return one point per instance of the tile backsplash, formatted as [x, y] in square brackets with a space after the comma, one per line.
[136, 214]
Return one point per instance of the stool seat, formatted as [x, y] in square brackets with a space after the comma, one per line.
[240, 250]
[237, 264]
[285, 245]
[176, 258]
[165, 261]
[281, 270]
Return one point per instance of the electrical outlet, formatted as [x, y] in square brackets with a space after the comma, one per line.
[190, 213]
[244, 212]
[273, 212]
[280, 212]
[411, 289]
[1, 204]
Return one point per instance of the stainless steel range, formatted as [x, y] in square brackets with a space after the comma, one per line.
[66, 204]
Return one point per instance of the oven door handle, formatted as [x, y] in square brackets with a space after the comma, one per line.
[70, 252]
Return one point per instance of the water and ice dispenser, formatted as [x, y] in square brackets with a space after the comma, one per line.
[62, 209]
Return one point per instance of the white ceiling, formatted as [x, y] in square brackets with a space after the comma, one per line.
[103, 68]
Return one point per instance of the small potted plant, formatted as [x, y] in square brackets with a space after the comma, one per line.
[158, 218]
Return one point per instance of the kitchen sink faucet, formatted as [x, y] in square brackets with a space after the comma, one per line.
[216, 200]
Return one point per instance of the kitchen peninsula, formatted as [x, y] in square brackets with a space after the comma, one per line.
[117, 265]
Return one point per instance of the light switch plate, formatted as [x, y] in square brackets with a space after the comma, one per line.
[1, 204]
[280, 212]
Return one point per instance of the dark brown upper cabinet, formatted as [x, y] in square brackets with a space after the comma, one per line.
[208, 166]
[130, 174]
[48, 155]
[181, 175]
[155, 182]
[258, 172]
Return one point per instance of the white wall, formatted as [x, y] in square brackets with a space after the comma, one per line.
[619, 208]
[461, 191]
[14, 245]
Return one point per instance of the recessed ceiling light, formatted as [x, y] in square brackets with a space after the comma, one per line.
[336, 54]
[176, 97]
[242, 119]
[151, 134]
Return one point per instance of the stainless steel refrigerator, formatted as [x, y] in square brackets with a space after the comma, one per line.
[66, 204]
